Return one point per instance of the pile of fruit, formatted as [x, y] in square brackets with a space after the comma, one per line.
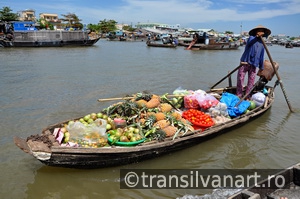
[127, 134]
[153, 116]
[146, 116]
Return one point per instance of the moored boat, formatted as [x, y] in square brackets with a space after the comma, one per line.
[289, 45]
[47, 147]
[212, 45]
[215, 46]
[208, 43]
[156, 44]
[32, 37]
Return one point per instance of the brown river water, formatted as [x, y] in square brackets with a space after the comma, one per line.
[43, 86]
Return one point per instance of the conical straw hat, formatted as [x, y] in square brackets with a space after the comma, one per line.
[266, 30]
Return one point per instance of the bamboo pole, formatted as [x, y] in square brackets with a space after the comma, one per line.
[278, 77]
[130, 97]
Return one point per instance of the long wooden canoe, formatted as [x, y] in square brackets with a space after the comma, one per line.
[215, 46]
[81, 157]
[155, 44]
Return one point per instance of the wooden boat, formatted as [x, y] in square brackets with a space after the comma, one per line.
[52, 154]
[289, 45]
[268, 188]
[214, 46]
[155, 44]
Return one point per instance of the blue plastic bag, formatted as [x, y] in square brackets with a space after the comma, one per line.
[231, 100]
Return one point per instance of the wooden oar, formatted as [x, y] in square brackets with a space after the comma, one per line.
[226, 76]
[278, 77]
[131, 97]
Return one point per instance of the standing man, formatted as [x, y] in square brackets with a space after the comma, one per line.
[252, 58]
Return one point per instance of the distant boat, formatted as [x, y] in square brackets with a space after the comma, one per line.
[289, 45]
[268, 43]
[30, 36]
[155, 44]
[207, 44]
[121, 35]
[218, 46]
[214, 46]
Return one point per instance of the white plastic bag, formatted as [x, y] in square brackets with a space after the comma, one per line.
[219, 110]
[90, 133]
[259, 98]
[180, 91]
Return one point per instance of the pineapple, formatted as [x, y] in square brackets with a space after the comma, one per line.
[162, 124]
[165, 107]
[160, 116]
[141, 103]
[176, 115]
[170, 130]
[150, 113]
[155, 96]
[153, 103]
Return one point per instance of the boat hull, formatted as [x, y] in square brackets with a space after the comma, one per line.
[153, 44]
[218, 46]
[123, 156]
[49, 39]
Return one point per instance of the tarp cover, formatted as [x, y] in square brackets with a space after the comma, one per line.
[231, 100]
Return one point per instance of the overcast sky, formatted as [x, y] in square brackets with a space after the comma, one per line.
[281, 16]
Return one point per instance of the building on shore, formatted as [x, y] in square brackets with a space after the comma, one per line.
[27, 15]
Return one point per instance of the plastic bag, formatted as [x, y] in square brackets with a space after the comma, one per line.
[76, 129]
[231, 100]
[93, 134]
[180, 91]
[220, 119]
[206, 100]
[219, 110]
[258, 98]
[190, 101]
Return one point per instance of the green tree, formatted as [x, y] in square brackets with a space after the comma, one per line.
[45, 24]
[94, 27]
[128, 28]
[228, 32]
[107, 26]
[72, 20]
[7, 15]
